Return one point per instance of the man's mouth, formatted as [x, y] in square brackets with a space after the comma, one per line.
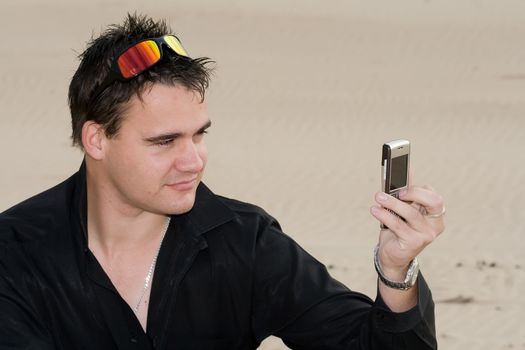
[183, 185]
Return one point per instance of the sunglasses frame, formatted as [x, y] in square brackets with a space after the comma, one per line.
[115, 74]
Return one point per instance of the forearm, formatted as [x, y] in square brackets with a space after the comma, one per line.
[314, 311]
[348, 321]
[411, 329]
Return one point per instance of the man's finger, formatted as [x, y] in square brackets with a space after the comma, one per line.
[412, 213]
[428, 198]
[408, 211]
[394, 222]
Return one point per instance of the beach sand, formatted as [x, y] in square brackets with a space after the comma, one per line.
[304, 95]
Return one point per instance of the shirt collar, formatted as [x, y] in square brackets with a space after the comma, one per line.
[207, 213]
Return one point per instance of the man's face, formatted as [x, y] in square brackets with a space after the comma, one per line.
[157, 159]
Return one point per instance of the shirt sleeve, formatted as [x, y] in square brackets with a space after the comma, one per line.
[20, 326]
[297, 300]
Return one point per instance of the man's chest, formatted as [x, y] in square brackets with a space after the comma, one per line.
[192, 299]
[132, 280]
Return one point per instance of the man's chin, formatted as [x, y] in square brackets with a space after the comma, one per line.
[176, 202]
[182, 205]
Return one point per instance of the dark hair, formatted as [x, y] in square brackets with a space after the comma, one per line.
[108, 107]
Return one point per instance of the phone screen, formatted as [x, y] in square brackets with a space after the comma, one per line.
[398, 177]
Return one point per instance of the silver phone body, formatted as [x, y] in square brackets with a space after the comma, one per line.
[395, 162]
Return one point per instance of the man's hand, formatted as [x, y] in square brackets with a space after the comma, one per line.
[422, 209]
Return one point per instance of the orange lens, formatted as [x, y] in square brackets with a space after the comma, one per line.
[138, 58]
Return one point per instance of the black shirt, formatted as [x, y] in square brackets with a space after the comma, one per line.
[226, 277]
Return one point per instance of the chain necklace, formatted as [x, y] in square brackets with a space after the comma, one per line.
[151, 269]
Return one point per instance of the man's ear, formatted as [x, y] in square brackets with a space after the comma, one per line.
[93, 139]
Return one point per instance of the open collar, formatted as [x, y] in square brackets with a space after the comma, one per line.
[208, 211]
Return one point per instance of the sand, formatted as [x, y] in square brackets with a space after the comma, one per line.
[304, 95]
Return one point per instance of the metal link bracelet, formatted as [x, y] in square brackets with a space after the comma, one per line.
[410, 279]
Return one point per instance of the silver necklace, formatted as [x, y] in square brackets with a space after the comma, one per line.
[151, 269]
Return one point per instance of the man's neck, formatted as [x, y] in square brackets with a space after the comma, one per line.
[116, 227]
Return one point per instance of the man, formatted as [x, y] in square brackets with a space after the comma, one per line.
[134, 252]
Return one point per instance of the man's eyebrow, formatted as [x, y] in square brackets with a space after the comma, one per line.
[174, 135]
[205, 126]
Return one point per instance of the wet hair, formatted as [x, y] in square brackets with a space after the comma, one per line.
[108, 107]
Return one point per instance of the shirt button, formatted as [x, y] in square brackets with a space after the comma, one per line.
[133, 340]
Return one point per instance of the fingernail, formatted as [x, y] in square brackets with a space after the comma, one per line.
[382, 197]
[374, 209]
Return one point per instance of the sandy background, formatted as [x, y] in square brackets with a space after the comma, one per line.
[304, 95]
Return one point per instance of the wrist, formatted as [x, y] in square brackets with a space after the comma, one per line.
[401, 278]
[394, 273]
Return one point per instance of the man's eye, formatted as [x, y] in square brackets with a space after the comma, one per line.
[201, 133]
[164, 142]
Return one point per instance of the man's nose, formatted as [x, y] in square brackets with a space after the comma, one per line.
[189, 158]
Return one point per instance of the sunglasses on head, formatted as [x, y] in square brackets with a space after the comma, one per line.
[138, 58]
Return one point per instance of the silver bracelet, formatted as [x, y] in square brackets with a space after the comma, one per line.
[410, 279]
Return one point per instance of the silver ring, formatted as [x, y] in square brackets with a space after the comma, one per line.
[436, 215]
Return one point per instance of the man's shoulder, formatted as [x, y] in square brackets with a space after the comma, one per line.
[242, 208]
[36, 216]
[248, 214]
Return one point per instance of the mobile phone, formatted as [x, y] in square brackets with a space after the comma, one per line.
[395, 162]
